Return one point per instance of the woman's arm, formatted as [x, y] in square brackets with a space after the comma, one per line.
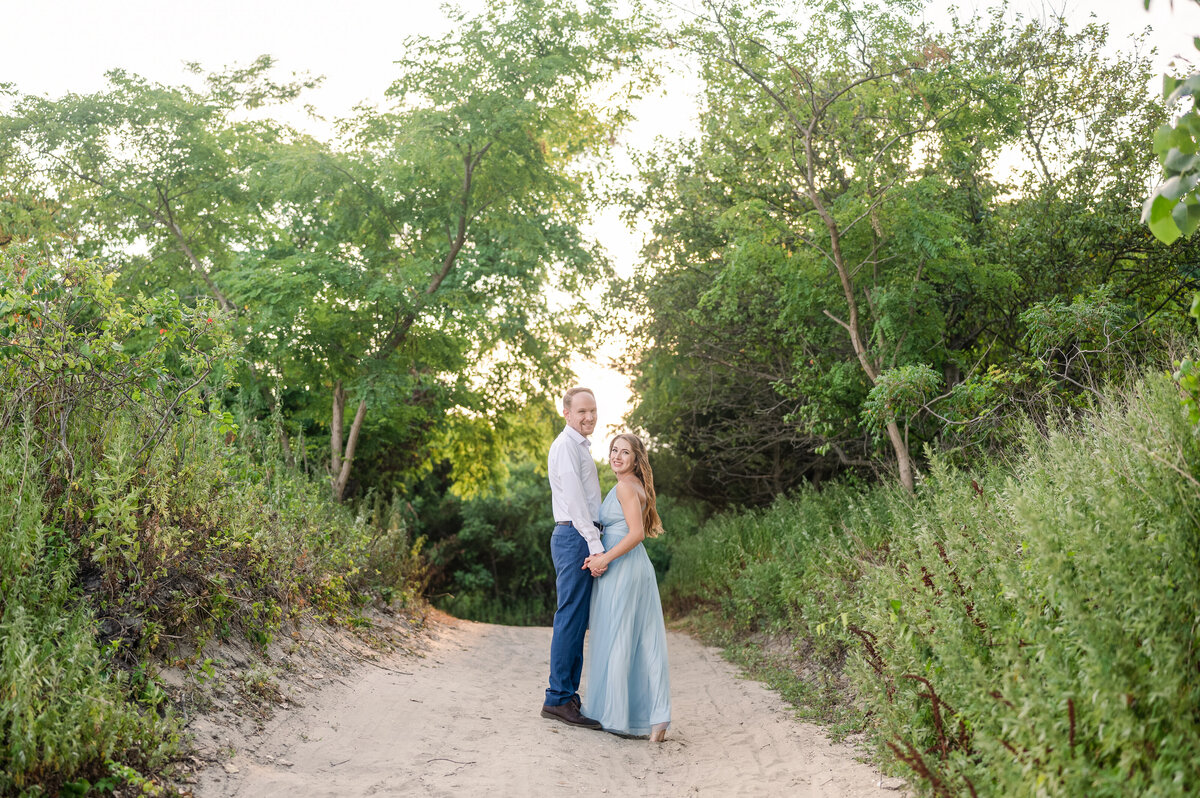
[631, 506]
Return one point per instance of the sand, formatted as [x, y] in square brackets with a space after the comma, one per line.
[464, 720]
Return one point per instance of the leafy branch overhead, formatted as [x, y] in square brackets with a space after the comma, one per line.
[1173, 208]
[1172, 211]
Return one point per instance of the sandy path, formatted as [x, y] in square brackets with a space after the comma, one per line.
[466, 722]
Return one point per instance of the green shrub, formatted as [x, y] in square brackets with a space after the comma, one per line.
[491, 553]
[1028, 627]
[1034, 630]
[785, 567]
[138, 521]
[63, 710]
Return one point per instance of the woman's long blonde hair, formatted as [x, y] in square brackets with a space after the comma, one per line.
[641, 469]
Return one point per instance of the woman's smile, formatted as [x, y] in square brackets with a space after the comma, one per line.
[620, 458]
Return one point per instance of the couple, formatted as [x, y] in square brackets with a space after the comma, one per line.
[609, 579]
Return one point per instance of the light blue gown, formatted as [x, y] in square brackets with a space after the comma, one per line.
[628, 688]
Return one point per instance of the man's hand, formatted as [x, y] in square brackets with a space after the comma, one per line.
[595, 564]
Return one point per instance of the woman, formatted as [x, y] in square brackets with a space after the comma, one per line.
[628, 689]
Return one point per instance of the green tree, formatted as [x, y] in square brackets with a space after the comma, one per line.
[415, 277]
[863, 131]
[841, 111]
[411, 266]
[716, 344]
[140, 164]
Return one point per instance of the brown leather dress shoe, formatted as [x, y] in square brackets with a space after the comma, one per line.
[568, 713]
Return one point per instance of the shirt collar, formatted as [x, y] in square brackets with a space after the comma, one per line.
[574, 435]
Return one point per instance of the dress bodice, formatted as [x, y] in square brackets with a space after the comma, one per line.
[612, 516]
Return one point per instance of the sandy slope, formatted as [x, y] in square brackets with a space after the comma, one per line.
[464, 720]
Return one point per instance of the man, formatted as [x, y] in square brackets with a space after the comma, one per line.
[575, 496]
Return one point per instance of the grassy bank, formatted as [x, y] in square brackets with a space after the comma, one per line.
[140, 521]
[1028, 627]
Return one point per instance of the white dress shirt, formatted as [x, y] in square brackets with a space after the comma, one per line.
[575, 485]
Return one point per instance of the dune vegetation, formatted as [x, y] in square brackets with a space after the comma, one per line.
[142, 520]
[1022, 627]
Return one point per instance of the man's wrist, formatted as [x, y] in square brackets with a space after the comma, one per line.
[595, 547]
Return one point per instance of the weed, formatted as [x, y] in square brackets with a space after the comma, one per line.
[1027, 627]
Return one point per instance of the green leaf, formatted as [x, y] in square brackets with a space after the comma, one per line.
[1190, 85]
[1188, 125]
[1169, 85]
[1174, 188]
[1186, 217]
[1160, 221]
[77, 788]
[1179, 161]
[1162, 141]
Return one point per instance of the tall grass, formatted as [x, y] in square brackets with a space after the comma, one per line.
[133, 568]
[1028, 627]
[64, 710]
[138, 522]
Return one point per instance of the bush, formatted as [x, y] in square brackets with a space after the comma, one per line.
[493, 558]
[491, 554]
[1035, 628]
[64, 711]
[1027, 627]
[140, 521]
[784, 567]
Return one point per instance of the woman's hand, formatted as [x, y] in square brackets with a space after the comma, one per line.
[631, 507]
[596, 563]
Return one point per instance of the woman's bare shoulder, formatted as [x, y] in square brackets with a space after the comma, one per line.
[630, 489]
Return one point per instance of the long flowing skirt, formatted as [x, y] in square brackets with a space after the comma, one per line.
[628, 687]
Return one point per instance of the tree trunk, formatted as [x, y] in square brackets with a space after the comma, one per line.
[851, 323]
[807, 132]
[339, 463]
[903, 459]
[335, 429]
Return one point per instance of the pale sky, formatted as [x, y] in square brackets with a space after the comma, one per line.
[53, 47]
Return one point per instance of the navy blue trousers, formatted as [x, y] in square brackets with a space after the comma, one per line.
[568, 549]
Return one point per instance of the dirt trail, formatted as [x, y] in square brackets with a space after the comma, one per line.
[463, 720]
